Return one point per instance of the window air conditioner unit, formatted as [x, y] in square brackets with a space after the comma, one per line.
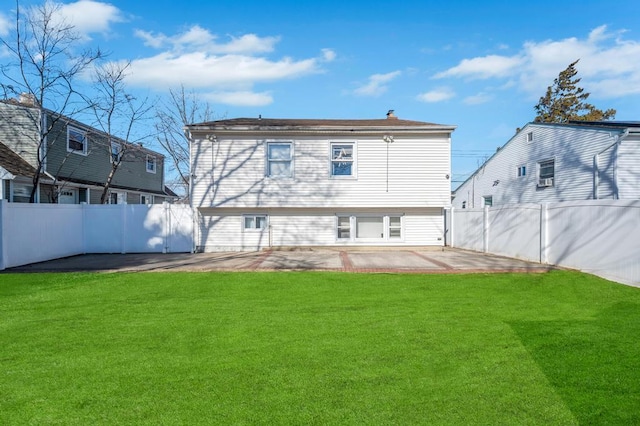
[545, 182]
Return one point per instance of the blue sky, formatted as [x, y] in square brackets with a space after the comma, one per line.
[481, 66]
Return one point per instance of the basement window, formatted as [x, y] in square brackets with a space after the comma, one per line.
[369, 228]
[254, 222]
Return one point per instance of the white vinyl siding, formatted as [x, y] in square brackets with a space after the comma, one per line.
[231, 173]
[221, 229]
[572, 149]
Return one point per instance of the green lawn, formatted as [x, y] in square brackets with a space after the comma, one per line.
[318, 348]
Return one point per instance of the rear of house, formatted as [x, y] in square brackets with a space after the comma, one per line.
[259, 183]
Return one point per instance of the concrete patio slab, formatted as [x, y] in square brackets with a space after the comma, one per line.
[389, 260]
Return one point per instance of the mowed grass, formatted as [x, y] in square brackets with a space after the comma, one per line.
[318, 348]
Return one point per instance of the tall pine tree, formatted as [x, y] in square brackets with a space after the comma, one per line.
[565, 101]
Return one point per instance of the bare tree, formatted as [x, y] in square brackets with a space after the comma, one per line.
[42, 67]
[117, 111]
[182, 108]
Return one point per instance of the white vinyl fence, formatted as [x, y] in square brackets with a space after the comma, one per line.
[601, 237]
[37, 232]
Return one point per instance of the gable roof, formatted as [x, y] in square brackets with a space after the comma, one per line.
[13, 163]
[295, 124]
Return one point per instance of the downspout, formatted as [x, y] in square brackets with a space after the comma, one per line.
[596, 173]
[194, 223]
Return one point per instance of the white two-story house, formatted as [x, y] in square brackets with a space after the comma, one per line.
[547, 162]
[258, 183]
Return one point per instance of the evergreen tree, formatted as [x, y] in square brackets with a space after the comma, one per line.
[565, 101]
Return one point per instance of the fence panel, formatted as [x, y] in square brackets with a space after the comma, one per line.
[514, 230]
[600, 236]
[37, 232]
[180, 235]
[468, 229]
[103, 228]
[596, 236]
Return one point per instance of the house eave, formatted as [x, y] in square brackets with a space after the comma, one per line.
[327, 130]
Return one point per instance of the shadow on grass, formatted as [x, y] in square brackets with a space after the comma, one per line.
[594, 365]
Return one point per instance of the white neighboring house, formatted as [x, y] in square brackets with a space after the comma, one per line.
[546, 162]
[259, 183]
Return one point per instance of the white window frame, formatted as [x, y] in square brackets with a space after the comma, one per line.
[153, 161]
[353, 160]
[522, 170]
[487, 201]
[121, 197]
[269, 161]
[256, 222]
[386, 228]
[529, 137]
[85, 140]
[544, 180]
[116, 155]
[146, 199]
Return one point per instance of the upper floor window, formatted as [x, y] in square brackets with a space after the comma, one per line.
[151, 164]
[546, 173]
[116, 152]
[280, 159]
[530, 137]
[487, 200]
[342, 159]
[76, 140]
[522, 171]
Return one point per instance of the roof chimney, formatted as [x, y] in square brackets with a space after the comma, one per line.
[391, 115]
[28, 99]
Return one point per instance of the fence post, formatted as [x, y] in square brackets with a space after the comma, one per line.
[167, 227]
[544, 233]
[84, 227]
[123, 224]
[451, 212]
[485, 230]
[3, 208]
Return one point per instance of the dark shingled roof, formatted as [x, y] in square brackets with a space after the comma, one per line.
[297, 123]
[13, 163]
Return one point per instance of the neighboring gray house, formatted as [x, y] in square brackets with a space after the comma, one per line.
[547, 162]
[77, 161]
[260, 182]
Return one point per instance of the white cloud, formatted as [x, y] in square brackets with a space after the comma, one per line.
[240, 98]
[477, 99]
[200, 70]
[437, 95]
[90, 17]
[5, 25]
[483, 67]
[608, 66]
[328, 55]
[377, 84]
[226, 71]
[202, 39]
